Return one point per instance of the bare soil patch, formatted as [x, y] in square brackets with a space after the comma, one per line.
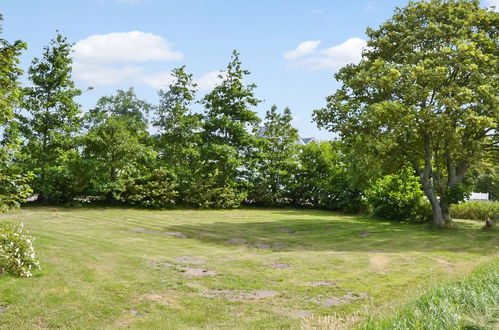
[379, 263]
[335, 301]
[190, 260]
[238, 241]
[234, 295]
[156, 232]
[365, 233]
[189, 271]
[279, 265]
[322, 283]
[132, 312]
[145, 231]
[159, 298]
[285, 230]
[263, 246]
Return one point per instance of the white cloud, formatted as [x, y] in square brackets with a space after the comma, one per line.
[493, 3]
[209, 80]
[100, 75]
[333, 58]
[109, 59]
[160, 80]
[134, 46]
[305, 48]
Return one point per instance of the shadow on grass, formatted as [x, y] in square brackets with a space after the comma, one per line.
[327, 231]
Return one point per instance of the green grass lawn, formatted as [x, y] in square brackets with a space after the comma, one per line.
[252, 268]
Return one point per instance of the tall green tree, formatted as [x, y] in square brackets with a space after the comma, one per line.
[13, 183]
[277, 159]
[124, 104]
[425, 92]
[178, 137]
[118, 154]
[51, 118]
[228, 135]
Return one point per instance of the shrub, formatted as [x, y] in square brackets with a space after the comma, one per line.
[398, 197]
[17, 256]
[14, 189]
[475, 210]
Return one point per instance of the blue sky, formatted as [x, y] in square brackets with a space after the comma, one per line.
[291, 47]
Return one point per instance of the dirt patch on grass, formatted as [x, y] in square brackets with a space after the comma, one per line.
[322, 283]
[159, 298]
[190, 260]
[263, 246]
[132, 312]
[365, 233]
[145, 231]
[156, 232]
[336, 301]
[238, 241]
[285, 230]
[279, 265]
[379, 263]
[355, 295]
[174, 234]
[3, 308]
[189, 271]
[234, 295]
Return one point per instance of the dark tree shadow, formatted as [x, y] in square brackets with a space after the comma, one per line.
[315, 232]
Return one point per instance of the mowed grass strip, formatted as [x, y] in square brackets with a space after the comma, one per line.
[248, 268]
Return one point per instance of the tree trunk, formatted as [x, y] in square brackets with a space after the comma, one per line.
[438, 218]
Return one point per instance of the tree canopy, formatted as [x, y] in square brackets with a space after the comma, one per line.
[426, 93]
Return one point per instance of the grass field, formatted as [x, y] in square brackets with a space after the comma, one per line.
[108, 268]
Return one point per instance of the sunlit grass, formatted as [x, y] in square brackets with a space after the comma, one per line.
[109, 268]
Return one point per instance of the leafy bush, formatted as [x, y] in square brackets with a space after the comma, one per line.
[157, 189]
[323, 181]
[475, 210]
[398, 197]
[17, 256]
[14, 189]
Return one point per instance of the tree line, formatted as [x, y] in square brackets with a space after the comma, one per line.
[213, 159]
[417, 119]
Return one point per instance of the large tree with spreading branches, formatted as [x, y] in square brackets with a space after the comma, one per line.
[425, 93]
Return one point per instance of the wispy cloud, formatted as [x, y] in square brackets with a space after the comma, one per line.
[303, 49]
[332, 58]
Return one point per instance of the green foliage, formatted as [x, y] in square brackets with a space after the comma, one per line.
[17, 256]
[178, 138]
[476, 210]
[488, 179]
[323, 180]
[13, 183]
[125, 104]
[398, 197]
[155, 188]
[228, 135]
[51, 118]
[424, 93]
[14, 189]
[276, 159]
[466, 304]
